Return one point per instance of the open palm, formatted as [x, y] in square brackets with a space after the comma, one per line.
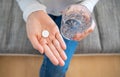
[53, 46]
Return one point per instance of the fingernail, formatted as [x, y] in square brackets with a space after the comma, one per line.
[62, 64]
[65, 47]
[56, 63]
[65, 58]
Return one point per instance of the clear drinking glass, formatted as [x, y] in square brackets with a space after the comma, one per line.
[75, 20]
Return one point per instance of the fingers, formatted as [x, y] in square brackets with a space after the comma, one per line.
[50, 55]
[36, 44]
[61, 41]
[78, 36]
[56, 50]
[81, 36]
[56, 54]
[89, 30]
[59, 49]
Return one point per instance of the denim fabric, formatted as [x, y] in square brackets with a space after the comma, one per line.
[50, 70]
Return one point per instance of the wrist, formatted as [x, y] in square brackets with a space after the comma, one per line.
[31, 10]
[90, 4]
[36, 15]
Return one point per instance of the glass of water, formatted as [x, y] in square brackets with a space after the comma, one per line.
[75, 20]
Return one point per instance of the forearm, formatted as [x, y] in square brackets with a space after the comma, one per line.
[90, 4]
[29, 6]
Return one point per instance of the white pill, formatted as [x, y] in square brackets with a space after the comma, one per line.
[45, 33]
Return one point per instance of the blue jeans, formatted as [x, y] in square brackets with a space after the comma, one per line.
[50, 70]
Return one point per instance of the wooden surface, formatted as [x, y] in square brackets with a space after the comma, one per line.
[82, 66]
[105, 38]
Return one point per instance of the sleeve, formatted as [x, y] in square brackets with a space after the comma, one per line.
[90, 4]
[29, 6]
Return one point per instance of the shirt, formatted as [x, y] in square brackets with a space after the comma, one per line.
[54, 7]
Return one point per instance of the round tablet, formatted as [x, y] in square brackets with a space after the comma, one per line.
[45, 33]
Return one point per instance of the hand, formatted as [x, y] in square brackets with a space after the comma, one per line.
[86, 13]
[80, 36]
[53, 46]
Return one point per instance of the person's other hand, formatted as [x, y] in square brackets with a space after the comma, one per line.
[53, 46]
[87, 14]
[80, 36]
